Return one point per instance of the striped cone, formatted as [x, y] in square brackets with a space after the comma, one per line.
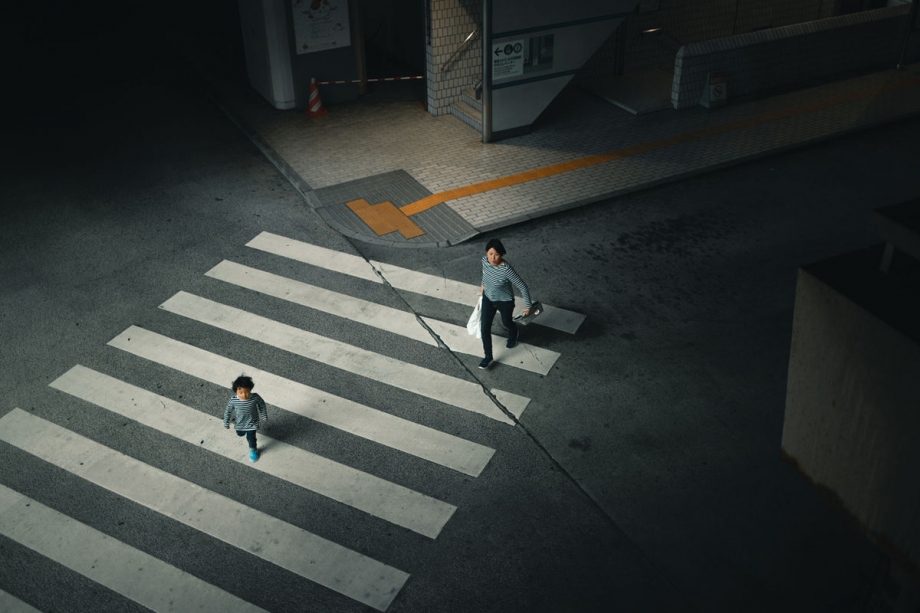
[315, 105]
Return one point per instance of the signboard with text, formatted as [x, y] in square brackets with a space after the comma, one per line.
[507, 59]
[320, 25]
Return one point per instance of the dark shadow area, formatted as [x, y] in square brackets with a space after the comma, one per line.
[394, 46]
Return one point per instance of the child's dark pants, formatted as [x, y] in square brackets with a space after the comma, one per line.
[250, 437]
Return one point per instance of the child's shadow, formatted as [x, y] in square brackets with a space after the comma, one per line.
[281, 430]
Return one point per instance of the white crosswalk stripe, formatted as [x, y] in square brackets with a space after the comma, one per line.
[363, 491]
[308, 555]
[524, 356]
[400, 278]
[103, 559]
[416, 379]
[362, 311]
[330, 259]
[11, 604]
[421, 441]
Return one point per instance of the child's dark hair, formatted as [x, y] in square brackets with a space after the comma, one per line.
[242, 381]
[496, 244]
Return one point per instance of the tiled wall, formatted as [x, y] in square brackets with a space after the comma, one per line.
[686, 21]
[450, 22]
[783, 57]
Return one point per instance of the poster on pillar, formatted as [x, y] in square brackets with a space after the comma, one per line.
[320, 25]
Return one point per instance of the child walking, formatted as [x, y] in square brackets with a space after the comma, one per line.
[248, 411]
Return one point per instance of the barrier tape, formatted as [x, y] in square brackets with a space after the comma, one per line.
[368, 80]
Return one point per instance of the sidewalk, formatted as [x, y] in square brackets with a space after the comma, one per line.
[384, 171]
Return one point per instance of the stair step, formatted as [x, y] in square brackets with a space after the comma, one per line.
[467, 114]
[469, 96]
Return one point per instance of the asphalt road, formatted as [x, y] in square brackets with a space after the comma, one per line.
[644, 475]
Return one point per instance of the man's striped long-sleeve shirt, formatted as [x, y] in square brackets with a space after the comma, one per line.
[497, 283]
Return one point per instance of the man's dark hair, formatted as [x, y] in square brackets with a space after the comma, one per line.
[497, 245]
[244, 382]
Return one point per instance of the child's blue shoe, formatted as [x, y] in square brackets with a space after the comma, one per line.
[253, 455]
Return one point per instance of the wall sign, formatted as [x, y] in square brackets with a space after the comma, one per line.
[320, 25]
[507, 59]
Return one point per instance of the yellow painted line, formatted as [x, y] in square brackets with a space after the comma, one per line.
[592, 160]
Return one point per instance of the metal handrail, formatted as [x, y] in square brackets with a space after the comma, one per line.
[462, 46]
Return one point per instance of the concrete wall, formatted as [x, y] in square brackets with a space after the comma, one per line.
[577, 28]
[852, 420]
[518, 100]
[278, 72]
[329, 65]
[790, 56]
[268, 56]
[688, 21]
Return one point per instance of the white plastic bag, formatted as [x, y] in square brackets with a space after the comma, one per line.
[472, 326]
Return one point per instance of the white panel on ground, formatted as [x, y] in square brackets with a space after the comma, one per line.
[308, 555]
[109, 562]
[363, 491]
[523, 356]
[420, 441]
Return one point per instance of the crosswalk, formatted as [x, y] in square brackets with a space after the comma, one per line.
[160, 586]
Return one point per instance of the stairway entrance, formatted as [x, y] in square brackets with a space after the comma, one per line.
[393, 37]
[645, 91]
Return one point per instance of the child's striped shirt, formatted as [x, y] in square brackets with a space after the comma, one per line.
[246, 413]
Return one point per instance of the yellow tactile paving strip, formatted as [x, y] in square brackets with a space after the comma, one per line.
[384, 218]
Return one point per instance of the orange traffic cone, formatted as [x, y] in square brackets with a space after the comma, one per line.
[315, 105]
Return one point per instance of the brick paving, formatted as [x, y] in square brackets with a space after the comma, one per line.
[393, 151]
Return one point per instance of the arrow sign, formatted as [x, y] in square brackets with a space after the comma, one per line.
[507, 59]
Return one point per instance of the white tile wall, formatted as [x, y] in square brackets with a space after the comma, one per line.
[451, 21]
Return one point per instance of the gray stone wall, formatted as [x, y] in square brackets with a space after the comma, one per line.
[785, 57]
[681, 22]
[851, 404]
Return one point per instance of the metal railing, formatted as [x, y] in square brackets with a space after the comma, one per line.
[463, 45]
